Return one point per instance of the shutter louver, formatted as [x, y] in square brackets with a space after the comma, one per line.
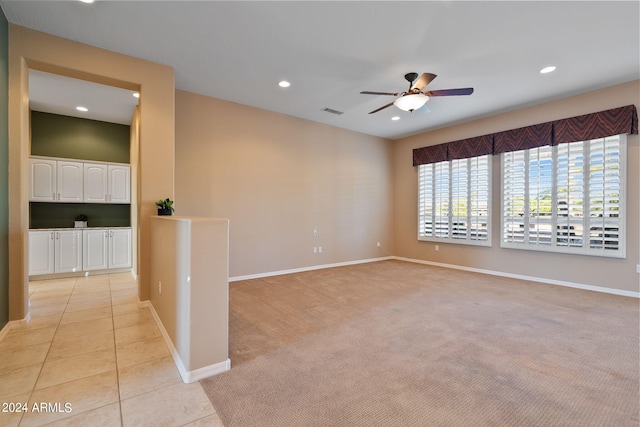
[513, 196]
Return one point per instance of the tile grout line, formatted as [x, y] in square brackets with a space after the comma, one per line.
[115, 352]
[50, 344]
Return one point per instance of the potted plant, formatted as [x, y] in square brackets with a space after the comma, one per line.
[81, 221]
[165, 207]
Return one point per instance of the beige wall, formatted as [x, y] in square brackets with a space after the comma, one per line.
[589, 270]
[277, 178]
[32, 49]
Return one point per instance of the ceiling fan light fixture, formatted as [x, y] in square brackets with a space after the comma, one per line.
[411, 102]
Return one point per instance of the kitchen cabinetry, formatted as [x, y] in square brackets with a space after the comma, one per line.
[55, 181]
[55, 251]
[106, 248]
[41, 252]
[68, 251]
[107, 183]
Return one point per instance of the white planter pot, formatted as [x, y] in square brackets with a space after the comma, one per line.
[80, 224]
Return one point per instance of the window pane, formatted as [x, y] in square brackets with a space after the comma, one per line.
[454, 200]
[513, 175]
[567, 198]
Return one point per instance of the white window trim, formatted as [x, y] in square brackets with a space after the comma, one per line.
[585, 250]
[457, 241]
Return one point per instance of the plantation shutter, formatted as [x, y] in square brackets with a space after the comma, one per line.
[570, 194]
[604, 194]
[479, 184]
[425, 200]
[514, 191]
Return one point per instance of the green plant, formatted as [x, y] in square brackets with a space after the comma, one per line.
[165, 204]
[81, 217]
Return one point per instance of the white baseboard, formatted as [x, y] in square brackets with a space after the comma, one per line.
[523, 277]
[186, 375]
[310, 268]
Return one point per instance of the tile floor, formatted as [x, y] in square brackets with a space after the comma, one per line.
[91, 355]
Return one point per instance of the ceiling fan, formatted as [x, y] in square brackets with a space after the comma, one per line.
[415, 98]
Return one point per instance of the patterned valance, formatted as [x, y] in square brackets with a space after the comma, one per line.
[470, 147]
[616, 121]
[523, 138]
[432, 154]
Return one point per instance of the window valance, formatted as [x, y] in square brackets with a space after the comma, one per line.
[432, 154]
[470, 147]
[617, 121]
[523, 138]
[462, 149]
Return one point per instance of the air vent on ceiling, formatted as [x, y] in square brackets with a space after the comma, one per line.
[332, 111]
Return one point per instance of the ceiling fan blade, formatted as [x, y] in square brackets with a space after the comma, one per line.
[382, 108]
[450, 92]
[422, 82]
[366, 92]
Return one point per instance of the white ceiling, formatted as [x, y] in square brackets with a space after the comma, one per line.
[56, 94]
[330, 51]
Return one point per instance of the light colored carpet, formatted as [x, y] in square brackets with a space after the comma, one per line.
[433, 347]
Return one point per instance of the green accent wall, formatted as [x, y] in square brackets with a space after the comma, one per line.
[62, 215]
[4, 170]
[53, 135]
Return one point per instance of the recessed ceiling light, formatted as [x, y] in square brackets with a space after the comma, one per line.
[81, 108]
[136, 94]
[284, 83]
[395, 118]
[548, 69]
[87, 1]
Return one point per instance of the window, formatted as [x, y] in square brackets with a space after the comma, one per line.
[566, 198]
[454, 201]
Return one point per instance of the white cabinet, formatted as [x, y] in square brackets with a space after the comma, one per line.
[57, 180]
[68, 251]
[41, 252]
[55, 251]
[105, 183]
[42, 185]
[120, 248]
[69, 182]
[95, 183]
[106, 248]
[119, 184]
[95, 249]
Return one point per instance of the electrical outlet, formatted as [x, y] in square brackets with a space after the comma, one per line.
[319, 249]
[437, 247]
[159, 287]
[379, 244]
[315, 249]
[638, 268]
[315, 233]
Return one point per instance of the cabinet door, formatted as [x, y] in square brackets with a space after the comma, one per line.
[119, 184]
[68, 251]
[42, 180]
[95, 183]
[120, 248]
[41, 252]
[95, 249]
[70, 182]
